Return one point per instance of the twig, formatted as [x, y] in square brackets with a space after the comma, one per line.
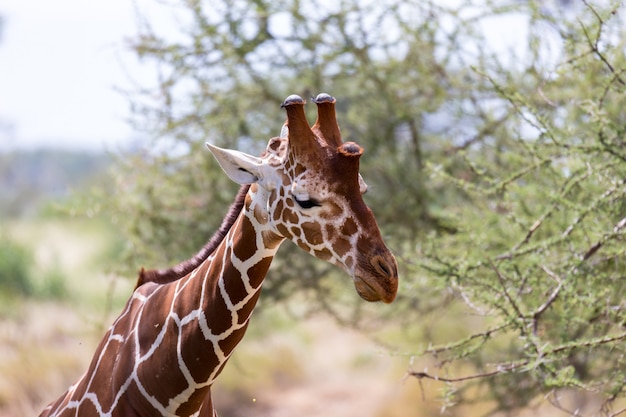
[586, 343]
[594, 44]
[434, 350]
[520, 315]
[550, 299]
[596, 246]
[501, 368]
[532, 230]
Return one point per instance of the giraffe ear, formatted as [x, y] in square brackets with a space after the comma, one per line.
[239, 166]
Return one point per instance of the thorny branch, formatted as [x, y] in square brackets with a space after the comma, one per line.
[550, 299]
[500, 369]
[593, 44]
[504, 368]
[506, 292]
[434, 350]
[596, 246]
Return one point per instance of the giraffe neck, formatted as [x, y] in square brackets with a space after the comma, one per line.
[209, 312]
[164, 351]
[232, 279]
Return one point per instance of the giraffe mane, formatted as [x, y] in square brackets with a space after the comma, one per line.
[164, 276]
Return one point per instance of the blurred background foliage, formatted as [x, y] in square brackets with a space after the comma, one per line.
[37, 188]
[496, 167]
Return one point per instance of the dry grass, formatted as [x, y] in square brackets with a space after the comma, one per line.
[41, 353]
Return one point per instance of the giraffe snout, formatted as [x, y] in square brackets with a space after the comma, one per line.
[377, 280]
[386, 267]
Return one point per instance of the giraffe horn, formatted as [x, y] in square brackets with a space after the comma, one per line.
[326, 126]
[302, 140]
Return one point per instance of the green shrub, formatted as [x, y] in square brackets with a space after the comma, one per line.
[53, 285]
[15, 263]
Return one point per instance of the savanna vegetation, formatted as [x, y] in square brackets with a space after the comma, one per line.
[495, 151]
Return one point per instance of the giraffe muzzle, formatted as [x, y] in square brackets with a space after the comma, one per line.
[378, 280]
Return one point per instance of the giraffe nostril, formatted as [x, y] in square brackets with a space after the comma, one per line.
[381, 266]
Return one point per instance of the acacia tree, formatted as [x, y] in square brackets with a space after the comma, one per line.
[498, 176]
[539, 250]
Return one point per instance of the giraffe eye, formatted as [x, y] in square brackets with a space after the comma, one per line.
[307, 204]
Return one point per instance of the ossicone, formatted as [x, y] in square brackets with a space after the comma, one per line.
[326, 126]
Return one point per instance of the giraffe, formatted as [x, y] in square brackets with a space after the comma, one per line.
[163, 353]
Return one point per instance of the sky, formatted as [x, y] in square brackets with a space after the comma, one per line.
[61, 63]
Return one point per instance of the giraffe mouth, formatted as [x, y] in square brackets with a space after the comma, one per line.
[370, 290]
[365, 291]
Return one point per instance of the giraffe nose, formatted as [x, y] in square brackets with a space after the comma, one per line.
[384, 267]
[385, 278]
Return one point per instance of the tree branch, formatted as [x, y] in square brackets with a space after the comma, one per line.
[594, 43]
[500, 369]
[550, 299]
[596, 246]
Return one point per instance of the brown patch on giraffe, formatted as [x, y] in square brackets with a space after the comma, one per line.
[130, 402]
[194, 402]
[257, 272]
[199, 358]
[278, 210]
[282, 229]
[313, 233]
[323, 254]
[236, 290]
[290, 216]
[303, 245]
[295, 231]
[329, 229]
[219, 322]
[245, 249]
[299, 169]
[87, 408]
[341, 247]
[153, 319]
[349, 227]
[228, 345]
[159, 373]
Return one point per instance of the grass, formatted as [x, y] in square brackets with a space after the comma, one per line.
[48, 338]
[69, 263]
[43, 350]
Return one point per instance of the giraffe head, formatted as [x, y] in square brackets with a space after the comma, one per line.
[307, 188]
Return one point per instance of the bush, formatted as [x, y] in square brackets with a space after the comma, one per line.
[15, 262]
[53, 285]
